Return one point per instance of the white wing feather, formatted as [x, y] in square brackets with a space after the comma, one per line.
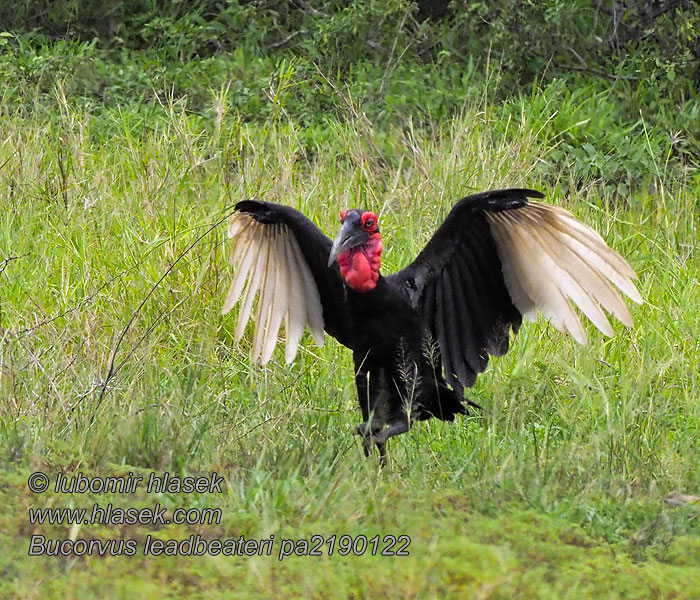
[550, 259]
[296, 314]
[281, 302]
[269, 264]
[267, 292]
[314, 314]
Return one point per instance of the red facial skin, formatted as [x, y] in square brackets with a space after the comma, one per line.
[360, 266]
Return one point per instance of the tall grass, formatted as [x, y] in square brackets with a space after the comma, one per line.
[113, 356]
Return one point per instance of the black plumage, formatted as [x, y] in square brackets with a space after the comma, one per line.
[423, 334]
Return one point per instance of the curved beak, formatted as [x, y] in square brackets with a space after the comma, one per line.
[349, 236]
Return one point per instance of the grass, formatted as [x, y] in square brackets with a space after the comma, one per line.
[114, 358]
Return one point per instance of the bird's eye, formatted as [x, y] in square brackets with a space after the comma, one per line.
[369, 223]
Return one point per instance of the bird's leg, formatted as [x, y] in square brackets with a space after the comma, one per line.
[368, 434]
[362, 392]
[365, 428]
[374, 402]
[394, 428]
[368, 431]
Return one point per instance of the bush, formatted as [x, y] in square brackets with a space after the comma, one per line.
[622, 81]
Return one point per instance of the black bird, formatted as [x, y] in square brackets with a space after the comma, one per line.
[420, 336]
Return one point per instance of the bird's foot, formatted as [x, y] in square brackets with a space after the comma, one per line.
[368, 434]
[375, 436]
[473, 404]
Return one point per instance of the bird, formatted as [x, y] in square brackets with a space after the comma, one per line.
[421, 335]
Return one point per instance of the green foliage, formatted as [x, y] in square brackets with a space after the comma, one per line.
[112, 255]
[127, 135]
[635, 41]
[583, 127]
[633, 85]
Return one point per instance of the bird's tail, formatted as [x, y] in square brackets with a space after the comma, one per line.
[451, 403]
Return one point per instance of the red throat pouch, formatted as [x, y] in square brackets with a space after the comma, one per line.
[360, 266]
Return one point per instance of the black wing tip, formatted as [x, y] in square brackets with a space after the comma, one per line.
[497, 200]
[251, 205]
[258, 209]
[511, 197]
[506, 192]
[507, 199]
[527, 192]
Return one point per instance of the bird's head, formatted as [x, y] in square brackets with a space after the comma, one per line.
[358, 249]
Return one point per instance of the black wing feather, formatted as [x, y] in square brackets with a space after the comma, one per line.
[460, 360]
[457, 283]
[473, 295]
[441, 336]
[494, 291]
[469, 321]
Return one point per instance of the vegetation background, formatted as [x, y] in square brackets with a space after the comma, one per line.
[129, 128]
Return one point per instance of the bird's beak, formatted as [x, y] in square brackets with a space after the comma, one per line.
[349, 236]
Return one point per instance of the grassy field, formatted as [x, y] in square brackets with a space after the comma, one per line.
[580, 479]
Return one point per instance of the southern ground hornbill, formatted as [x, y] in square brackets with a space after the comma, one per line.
[420, 336]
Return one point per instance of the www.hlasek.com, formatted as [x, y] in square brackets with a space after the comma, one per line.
[194, 545]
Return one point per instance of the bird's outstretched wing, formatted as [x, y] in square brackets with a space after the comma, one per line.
[499, 256]
[281, 254]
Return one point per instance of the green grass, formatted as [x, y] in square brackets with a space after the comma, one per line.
[114, 358]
